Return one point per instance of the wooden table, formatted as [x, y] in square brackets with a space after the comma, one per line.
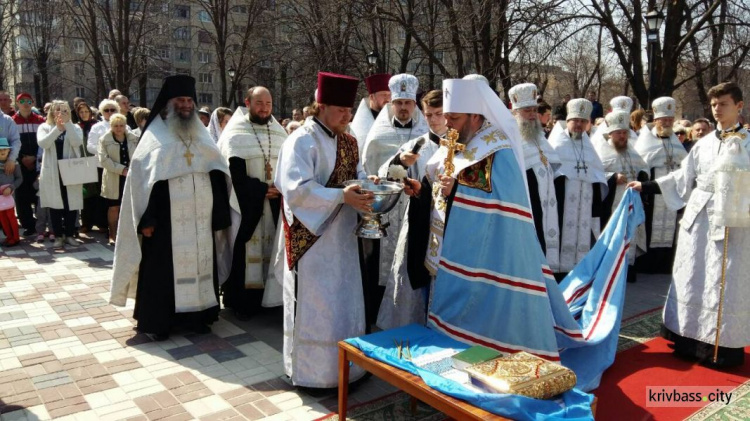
[409, 383]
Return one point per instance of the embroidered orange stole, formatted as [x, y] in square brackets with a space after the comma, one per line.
[298, 238]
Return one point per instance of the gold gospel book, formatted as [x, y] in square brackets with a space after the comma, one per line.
[522, 374]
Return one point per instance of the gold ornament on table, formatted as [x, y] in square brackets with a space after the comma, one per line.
[451, 142]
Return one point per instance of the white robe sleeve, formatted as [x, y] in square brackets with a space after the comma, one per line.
[308, 199]
[677, 185]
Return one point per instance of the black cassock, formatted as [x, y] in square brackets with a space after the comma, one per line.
[251, 195]
[609, 204]
[155, 299]
[596, 211]
[536, 207]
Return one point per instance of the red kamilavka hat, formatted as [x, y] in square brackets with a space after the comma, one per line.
[377, 83]
[336, 90]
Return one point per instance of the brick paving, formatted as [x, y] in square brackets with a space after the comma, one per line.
[66, 354]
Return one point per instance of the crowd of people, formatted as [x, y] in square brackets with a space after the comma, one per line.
[205, 205]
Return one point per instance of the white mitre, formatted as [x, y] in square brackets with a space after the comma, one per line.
[621, 103]
[664, 107]
[617, 120]
[403, 86]
[579, 108]
[523, 96]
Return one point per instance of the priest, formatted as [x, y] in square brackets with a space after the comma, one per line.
[541, 163]
[692, 308]
[580, 189]
[405, 300]
[378, 96]
[487, 292]
[323, 301]
[250, 143]
[663, 153]
[622, 164]
[396, 124]
[177, 199]
[617, 104]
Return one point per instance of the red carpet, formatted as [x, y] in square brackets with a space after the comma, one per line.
[622, 394]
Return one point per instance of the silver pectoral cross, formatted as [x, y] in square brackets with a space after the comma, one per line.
[580, 167]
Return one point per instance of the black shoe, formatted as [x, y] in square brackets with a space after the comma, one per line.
[161, 337]
[201, 329]
[29, 232]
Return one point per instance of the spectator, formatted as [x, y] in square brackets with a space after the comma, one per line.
[701, 127]
[204, 113]
[113, 94]
[93, 207]
[124, 104]
[297, 115]
[292, 126]
[43, 225]
[28, 124]
[307, 112]
[638, 120]
[76, 101]
[6, 104]
[219, 120]
[116, 149]
[59, 138]
[108, 108]
[682, 135]
[598, 110]
[285, 121]
[141, 116]
[561, 111]
[8, 184]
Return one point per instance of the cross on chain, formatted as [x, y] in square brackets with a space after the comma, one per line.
[453, 146]
[578, 168]
[189, 157]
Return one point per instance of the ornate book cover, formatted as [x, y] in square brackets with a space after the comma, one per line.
[523, 374]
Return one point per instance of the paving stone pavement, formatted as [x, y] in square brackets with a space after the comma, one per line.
[66, 354]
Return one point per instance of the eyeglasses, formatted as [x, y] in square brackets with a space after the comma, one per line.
[25, 101]
[109, 110]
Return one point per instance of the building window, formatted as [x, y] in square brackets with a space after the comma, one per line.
[239, 29]
[204, 37]
[205, 77]
[204, 57]
[182, 54]
[163, 53]
[204, 98]
[182, 12]
[105, 49]
[203, 16]
[79, 71]
[240, 9]
[180, 71]
[401, 33]
[79, 47]
[80, 91]
[182, 33]
[265, 64]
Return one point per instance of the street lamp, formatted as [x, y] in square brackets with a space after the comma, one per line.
[654, 19]
[232, 73]
[372, 61]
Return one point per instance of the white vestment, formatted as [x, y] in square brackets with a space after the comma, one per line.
[361, 124]
[630, 164]
[384, 139]
[160, 156]
[693, 299]
[545, 174]
[663, 156]
[401, 304]
[254, 143]
[323, 298]
[582, 168]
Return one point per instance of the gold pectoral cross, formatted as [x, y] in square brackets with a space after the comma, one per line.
[269, 170]
[189, 157]
[451, 142]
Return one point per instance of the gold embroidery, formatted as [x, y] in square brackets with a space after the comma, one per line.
[298, 238]
[434, 243]
[479, 175]
[470, 154]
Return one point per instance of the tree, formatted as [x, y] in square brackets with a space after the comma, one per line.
[41, 29]
[7, 27]
[713, 32]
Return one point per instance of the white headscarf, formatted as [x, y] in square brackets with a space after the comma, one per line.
[214, 126]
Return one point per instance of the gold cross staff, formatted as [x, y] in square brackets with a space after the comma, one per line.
[451, 142]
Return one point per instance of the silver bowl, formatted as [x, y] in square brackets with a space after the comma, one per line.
[386, 195]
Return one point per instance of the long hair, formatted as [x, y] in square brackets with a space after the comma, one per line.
[54, 106]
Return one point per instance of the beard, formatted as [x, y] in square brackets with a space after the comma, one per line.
[664, 131]
[530, 129]
[255, 118]
[576, 135]
[184, 125]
